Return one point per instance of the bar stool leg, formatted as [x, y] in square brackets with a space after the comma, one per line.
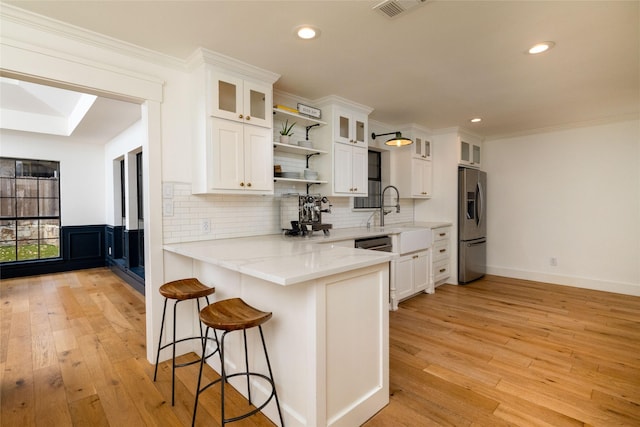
[275, 394]
[164, 311]
[195, 405]
[223, 378]
[173, 359]
[246, 365]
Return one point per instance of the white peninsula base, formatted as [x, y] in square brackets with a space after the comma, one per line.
[328, 339]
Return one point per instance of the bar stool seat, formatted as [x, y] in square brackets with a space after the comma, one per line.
[233, 315]
[182, 290]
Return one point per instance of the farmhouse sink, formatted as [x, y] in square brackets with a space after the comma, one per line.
[411, 239]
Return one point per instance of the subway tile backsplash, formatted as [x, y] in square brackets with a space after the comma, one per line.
[220, 216]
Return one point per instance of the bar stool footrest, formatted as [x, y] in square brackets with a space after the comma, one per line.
[188, 339]
[257, 408]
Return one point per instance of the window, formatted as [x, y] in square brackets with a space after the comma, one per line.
[375, 183]
[29, 209]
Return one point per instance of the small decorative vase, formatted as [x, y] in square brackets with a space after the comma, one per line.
[284, 139]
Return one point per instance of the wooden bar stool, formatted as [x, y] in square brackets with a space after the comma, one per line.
[228, 316]
[182, 290]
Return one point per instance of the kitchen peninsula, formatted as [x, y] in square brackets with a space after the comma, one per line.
[328, 338]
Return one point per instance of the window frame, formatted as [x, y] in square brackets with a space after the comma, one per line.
[374, 179]
[12, 217]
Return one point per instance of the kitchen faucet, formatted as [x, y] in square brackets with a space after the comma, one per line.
[382, 206]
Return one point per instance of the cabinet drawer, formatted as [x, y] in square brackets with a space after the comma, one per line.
[442, 233]
[441, 250]
[441, 270]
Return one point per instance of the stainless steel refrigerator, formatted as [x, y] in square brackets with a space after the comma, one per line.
[472, 224]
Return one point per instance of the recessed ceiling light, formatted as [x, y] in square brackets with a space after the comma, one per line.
[541, 47]
[476, 120]
[307, 32]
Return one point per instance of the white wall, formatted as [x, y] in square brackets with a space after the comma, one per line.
[573, 195]
[127, 142]
[82, 174]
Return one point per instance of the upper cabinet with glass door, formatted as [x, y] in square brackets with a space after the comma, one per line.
[242, 100]
[470, 151]
[350, 127]
[421, 147]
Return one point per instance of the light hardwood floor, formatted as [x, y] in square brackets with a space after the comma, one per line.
[495, 352]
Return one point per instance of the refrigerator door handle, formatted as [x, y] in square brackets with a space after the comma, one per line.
[479, 203]
[482, 242]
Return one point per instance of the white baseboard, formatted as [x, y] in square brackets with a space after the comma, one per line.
[578, 282]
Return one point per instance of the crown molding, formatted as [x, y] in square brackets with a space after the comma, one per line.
[204, 56]
[14, 14]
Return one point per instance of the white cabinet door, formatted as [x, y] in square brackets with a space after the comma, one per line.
[359, 176]
[349, 170]
[403, 276]
[422, 181]
[258, 109]
[258, 155]
[226, 164]
[421, 276]
[241, 157]
[245, 101]
[421, 148]
[412, 274]
[350, 128]
[226, 97]
[470, 152]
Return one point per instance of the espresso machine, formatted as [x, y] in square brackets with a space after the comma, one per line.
[301, 214]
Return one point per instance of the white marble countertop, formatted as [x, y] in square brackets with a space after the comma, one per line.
[289, 260]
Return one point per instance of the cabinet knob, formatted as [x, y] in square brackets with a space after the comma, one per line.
[242, 184]
[248, 117]
[248, 184]
[240, 116]
[415, 257]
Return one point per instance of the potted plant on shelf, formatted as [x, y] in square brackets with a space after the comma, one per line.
[286, 132]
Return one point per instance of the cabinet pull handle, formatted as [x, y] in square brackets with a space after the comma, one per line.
[443, 250]
[240, 116]
[415, 256]
[442, 234]
[442, 270]
[248, 117]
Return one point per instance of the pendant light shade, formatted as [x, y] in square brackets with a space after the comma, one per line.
[397, 141]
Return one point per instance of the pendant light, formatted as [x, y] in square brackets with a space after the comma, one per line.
[397, 141]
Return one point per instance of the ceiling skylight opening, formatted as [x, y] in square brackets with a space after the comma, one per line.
[307, 32]
[540, 48]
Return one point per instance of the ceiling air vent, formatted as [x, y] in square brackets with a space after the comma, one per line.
[394, 8]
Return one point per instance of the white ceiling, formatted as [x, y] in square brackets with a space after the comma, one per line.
[438, 65]
[62, 114]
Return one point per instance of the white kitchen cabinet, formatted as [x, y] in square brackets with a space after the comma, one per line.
[350, 170]
[470, 151]
[441, 257]
[350, 127]
[240, 100]
[412, 175]
[240, 159]
[421, 147]
[232, 141]
[346, 139]
[411, 274]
